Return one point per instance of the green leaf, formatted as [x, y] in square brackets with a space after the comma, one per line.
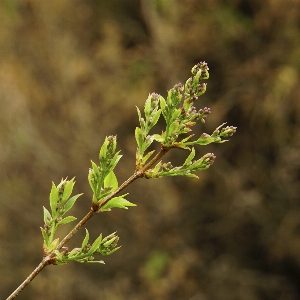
[112, 251]
[155, 118]
[109, 242]
[139, 137]
[45, 236]
[71, 202]
[163, 106]
[111, 180]
[157, 167]
[159, 138]
[95, 262]
[66, 220]
[74, 252]
[95, 169]
[187, 138]
[68, 190]
[95, 245]
[139, 114]
[174, 127]
[47, 216]
[189, 158]
[53, 245]
[147, 106]
[53, 199]
[190, 175]
[114, 161]
[205, 139]
[92, 180]
[175, 114]
[117, 202]
[103, 150]
[147, 156]
[58, 255]
[86, 239]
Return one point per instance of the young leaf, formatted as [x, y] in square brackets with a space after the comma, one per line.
[71, 202]
[111, 180]
[103, 149]
[109, 242]
[45, 236]
[174, 126]
[66, 220]
[155, 118]
[95, 245]
[53, 245]
[95, 169]
[139, 114]
[47, 215]
[189, 158]
[53, 198]
[147, 156]
[139, 138]
[112, 251]
[163, 106]
[74, 252]
[114, 161]
[86, 239]
[58, 255]
[205, 139]
[159, 138]
[68, 190]
[118, 202]
[157, 167]
[95, 262]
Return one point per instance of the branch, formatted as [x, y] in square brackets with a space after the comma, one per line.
[49, 258]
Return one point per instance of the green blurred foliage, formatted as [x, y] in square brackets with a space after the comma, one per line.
[71, 72]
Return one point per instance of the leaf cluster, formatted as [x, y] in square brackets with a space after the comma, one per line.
[85, 254]
[180, 115]
[103, 180]
[60, 204]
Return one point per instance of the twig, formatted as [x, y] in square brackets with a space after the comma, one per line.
[49, 258]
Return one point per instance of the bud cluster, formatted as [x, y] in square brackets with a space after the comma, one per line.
[193, 86]
[86, 253]
[202, 69]
[108, 158]
[186, 169]
[225, 132]
[60, 203]
[143, 139]
[175, 96]
[108, 245]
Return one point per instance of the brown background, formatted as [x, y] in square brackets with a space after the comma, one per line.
[71, 72]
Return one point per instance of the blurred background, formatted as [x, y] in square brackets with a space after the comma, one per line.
[72, 72]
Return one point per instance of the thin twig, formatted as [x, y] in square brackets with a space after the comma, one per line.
[36, 271]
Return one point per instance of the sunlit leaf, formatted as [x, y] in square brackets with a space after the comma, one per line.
[68, 190]
[47, 215]
[189, 158]
[53, 198]
[71, 202]
[111, 180]
[139, 137]
[86, 239]
[95, 245]
[66, 220]
[117, 202]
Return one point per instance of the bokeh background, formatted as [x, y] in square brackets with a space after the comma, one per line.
[72, 71]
